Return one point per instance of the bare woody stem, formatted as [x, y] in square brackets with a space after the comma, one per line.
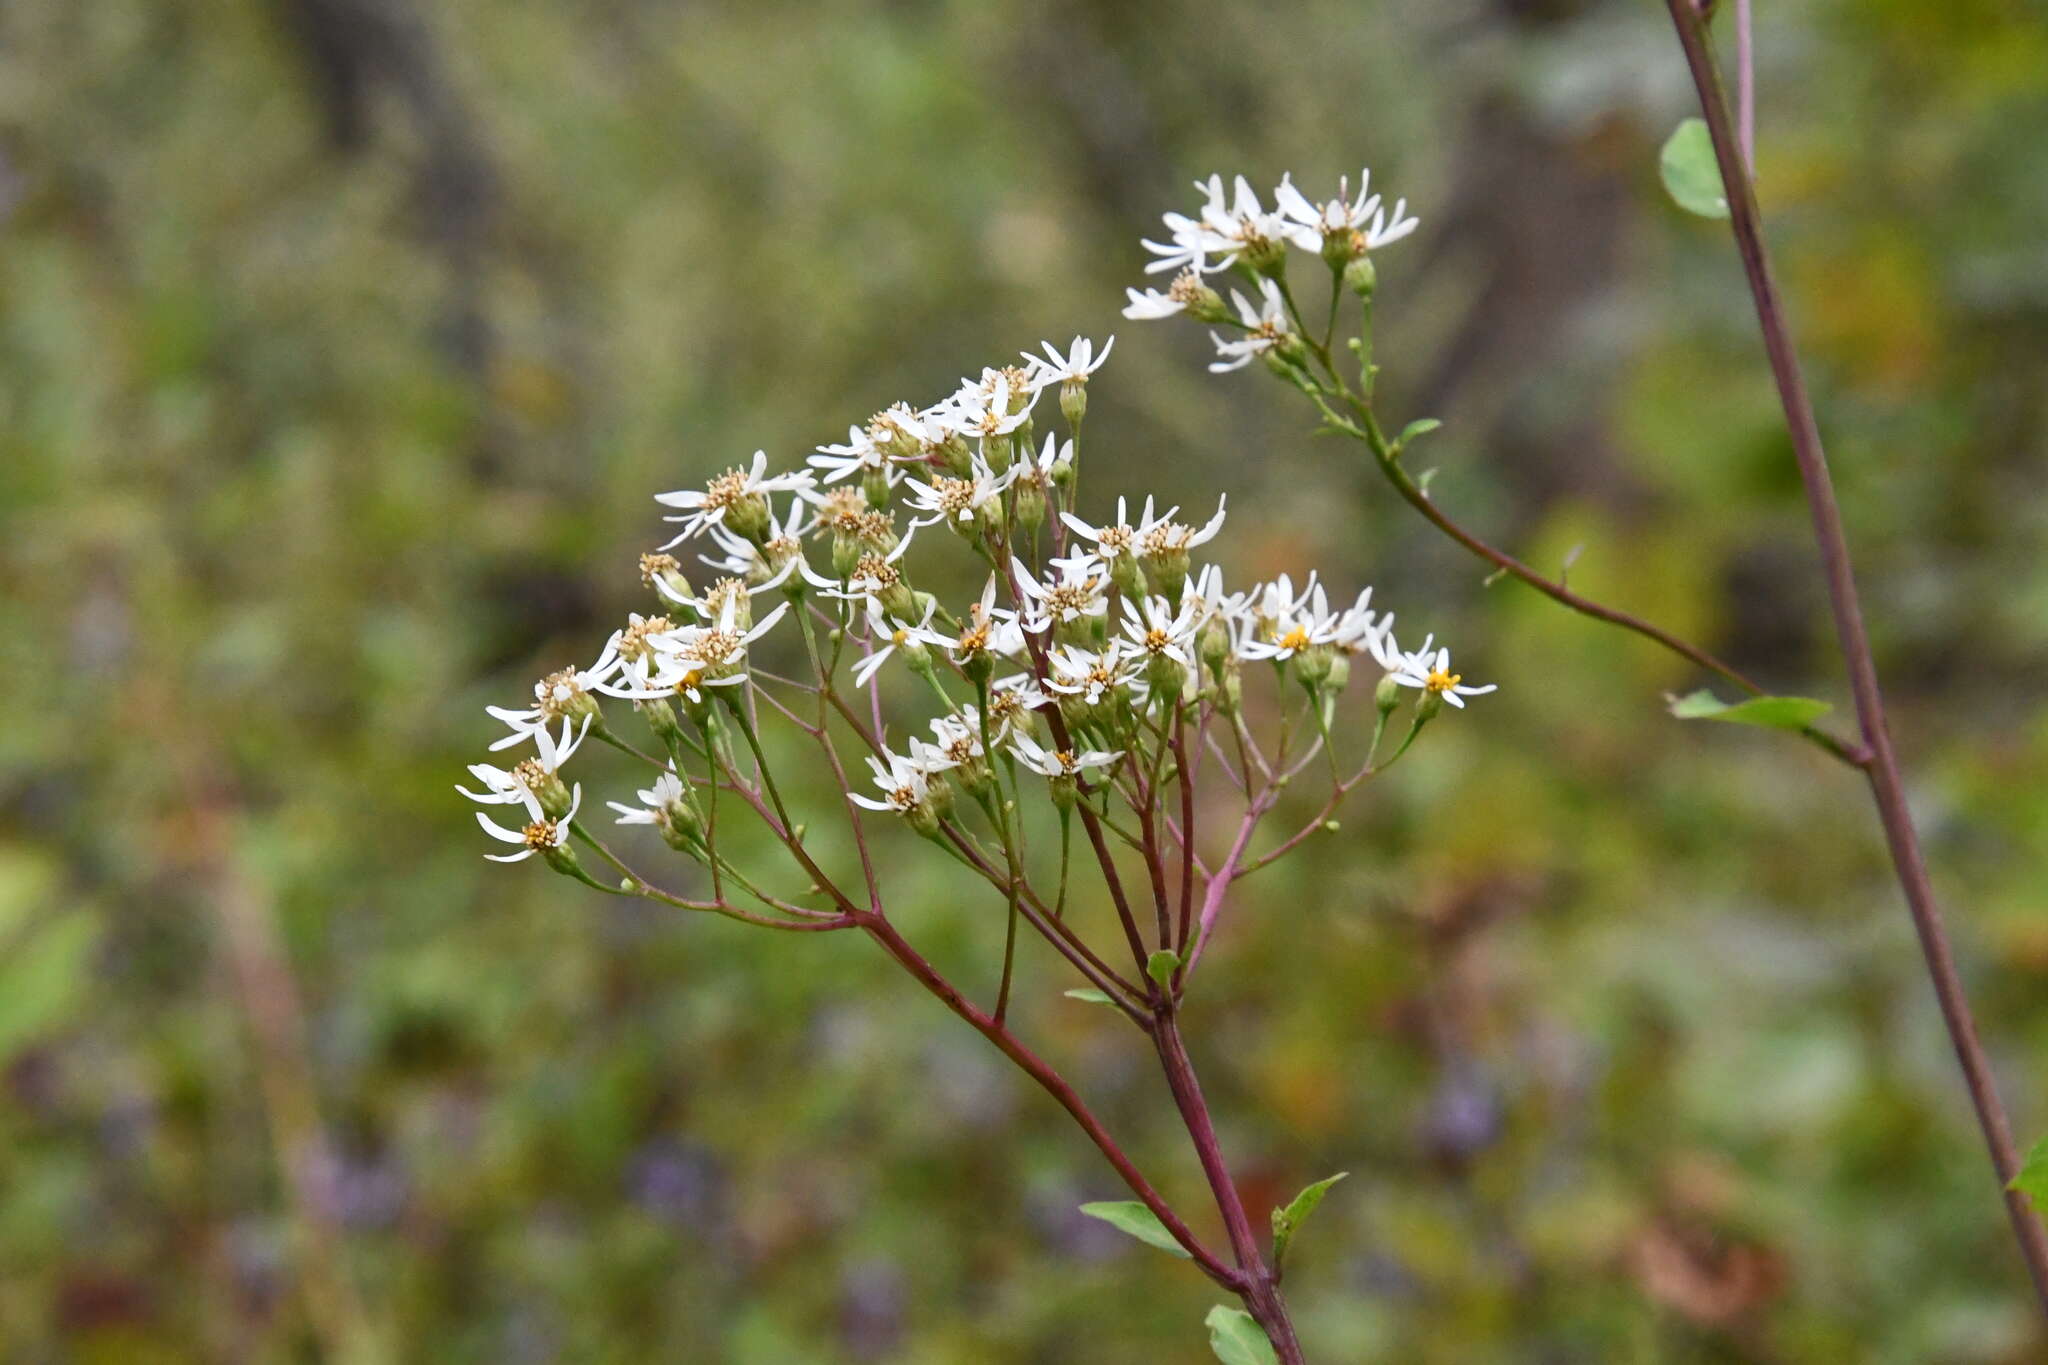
[1880, 765]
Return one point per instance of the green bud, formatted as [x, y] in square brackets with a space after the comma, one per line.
[1312, 665]
[1361, 278]
[1214, 645]
[874, 486]
[682, 825]
[1387, 696]
[1339, 247]
[846, 553]
[1074, 401]
[978, 666]
[562, 859]
[1030, 510]
[661, 719]
[899, 601]
[1128, 577]
[1429, 706]
[1167, 676]
[1065, 791]
[1340, 672]
[1063, 471]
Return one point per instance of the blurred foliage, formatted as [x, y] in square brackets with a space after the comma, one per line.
[342, 343]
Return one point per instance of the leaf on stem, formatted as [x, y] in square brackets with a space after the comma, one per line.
[1775, 713]
[1090, 994]
[1162, 965]
[1691, 175]
[1286, 1220]
[2032, 1180]
[1421, 426]
[1237, 1339]
[1133, 1219]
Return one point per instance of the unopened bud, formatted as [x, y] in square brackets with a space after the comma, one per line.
[1312, 665]
[661, 719]
[1030, 508]
[1128, 577]
[1360, 277]
[874, 486]
[1074, 401]
[1065, 791]
[1387, 696]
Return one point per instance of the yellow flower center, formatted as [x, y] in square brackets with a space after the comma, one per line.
[1440, 681]
[1296, 638]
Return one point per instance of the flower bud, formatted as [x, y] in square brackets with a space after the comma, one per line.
[1266, 255]
[748, 516]
[1428, 707]
[1030, 510]
[1312, 665]
[1361, 278]
[562, 859]
[1128, 577]
[899, 601]
[661, 719]
[978, 666]
[1340, 672]
[846, 553]
[1387, 696]
[1065, 791]
[1074, 401]
[874, 486]
[1168, 676]
[955, 456]
[682, 825]
[1214, 644]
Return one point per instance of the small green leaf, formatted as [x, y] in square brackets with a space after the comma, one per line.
[43, 979]
[1090, 994]
[1691, 175]
[1776, 713]
[1162, 965]
[1236, 1339]
[1133, 1219]
[1421, 426]
[1422, 480]
[2032, 1181]
[1286, 1220]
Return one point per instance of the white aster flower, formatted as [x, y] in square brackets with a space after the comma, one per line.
[1266, 327]
[654, 801]
[1161, 537]
[1119, 537]
[1079, 362]
[1157, 631]
[958, 500]
[1432, 673]
[1011, 702]
[1286, 624]
[887, 635]
[905, 782]
[539, 833]
[1075, 672]
[505, 786]
[1309, 225]
[565, 692]
[737, 498]
[715, 656]
[1060, 762]
[1074, 589]
[631, 662]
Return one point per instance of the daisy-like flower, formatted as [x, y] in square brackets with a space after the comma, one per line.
[1060, 762]
[1186, 293]
[905, 781]
[538, 835]
[1164, 543]
[996, 405]
[894, 434]
[1188, 241]
[1114, 538]
[1287, 625]
[1083, 673]
[1080, 361]
[715, 656]
[1361, 630]
[890, 635]
[958, 501]
[1388, 226]
[1011, 701]
[1074, 589]
[1243, 228]
[874, 580]
[631, 661]
[957, 737]
[1266, 327]
[738, 499]
[1157, 631]
[990, 629]
[655, 802]
[1432, 673]
[1309, 225]
[766, 563]
[564, 693]
[532, 776]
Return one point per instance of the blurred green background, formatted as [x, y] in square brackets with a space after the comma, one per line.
[342, 343]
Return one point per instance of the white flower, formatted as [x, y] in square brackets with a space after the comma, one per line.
[758, 563]
[989, 629]
[1079, 362]
[563, 693]
[631, 662]
[1076, 672]
[654, 802]
[1242, 228]
[872, 577]
[715, 656]
[1011, 701]
[1286, 625]
[1432, 673]
[1362, 630]
[1266, 327]
[1038, 468]
[1150, 305]
[1113, 538]
[1078, 590]
[1390, 226]
[1158, 631]
[958, 737]
[1163, 536]
[983, 408]
[725, 495]
[1059, 762]
[539, 833]
[1205, 590]
[1187, 246]
[905, 781]
[504, 786]
[1309, 224]
[893, 635]
[959, 500]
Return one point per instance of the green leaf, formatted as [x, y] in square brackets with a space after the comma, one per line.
[1162, 965]
[43, 979]
[1421, 426]
[1090, 994]
[1133, 1219]
[2032, 1181]
[1691, 175]
[1775, 713]
[1286, 1220]
[1236, 1339]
